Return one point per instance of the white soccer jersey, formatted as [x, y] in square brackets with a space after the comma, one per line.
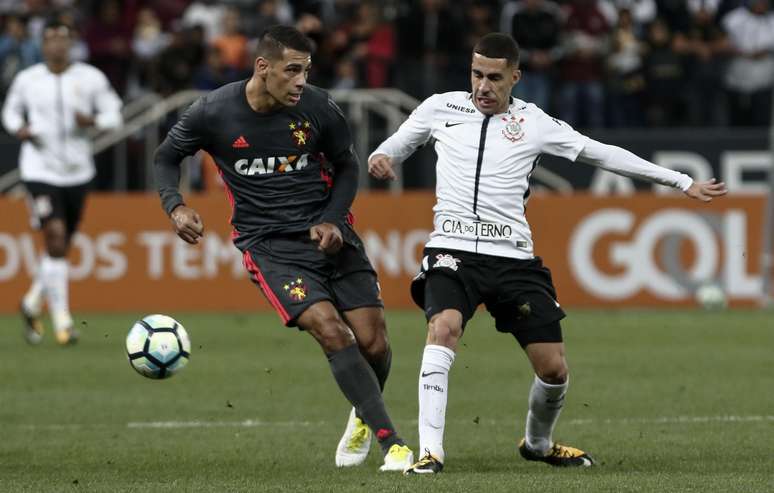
[47, 102]
[484, 165]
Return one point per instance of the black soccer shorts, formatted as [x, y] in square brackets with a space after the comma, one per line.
[294, 275]
[48, 201]
[519, 294]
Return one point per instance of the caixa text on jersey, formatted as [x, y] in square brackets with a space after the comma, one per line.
[263, 166]
[477, 228]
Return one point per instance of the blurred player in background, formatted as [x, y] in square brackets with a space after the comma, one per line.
[481, 251]
[291, 175]
[49, 107]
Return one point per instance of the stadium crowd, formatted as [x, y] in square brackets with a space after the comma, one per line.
[593, 63]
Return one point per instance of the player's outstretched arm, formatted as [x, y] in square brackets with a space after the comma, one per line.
[187, 223]
[380, 167]
[706, 190]
[623, 162]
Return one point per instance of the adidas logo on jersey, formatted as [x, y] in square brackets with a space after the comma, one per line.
[261, 166]
[240, 143]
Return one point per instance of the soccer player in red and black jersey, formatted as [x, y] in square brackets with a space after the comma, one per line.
[291, 175]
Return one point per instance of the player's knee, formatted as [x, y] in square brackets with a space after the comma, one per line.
[445, 329]
[554, 371]
[55, 238]
[56, 248]
[376, 347]
[331, 332]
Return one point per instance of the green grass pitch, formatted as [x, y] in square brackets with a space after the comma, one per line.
[665, 401]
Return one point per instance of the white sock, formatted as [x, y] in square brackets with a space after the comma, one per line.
[33, 299]
[433, 388]
[545, 404]
[53, 275]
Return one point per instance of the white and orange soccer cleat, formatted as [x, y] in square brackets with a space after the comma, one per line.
[428, 464]
[559, 455]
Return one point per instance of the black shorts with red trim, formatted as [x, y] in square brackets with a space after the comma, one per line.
[519, 294]
[48, 202]
[294, 275]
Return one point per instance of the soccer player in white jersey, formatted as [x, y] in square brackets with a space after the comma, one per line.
[49, 107]
[481, 248]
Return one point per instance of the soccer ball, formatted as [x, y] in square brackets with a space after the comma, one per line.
[711, 297]
[158, 346]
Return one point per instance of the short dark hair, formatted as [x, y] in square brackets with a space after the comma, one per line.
[55, 24]
[276, 38]
[498, 45]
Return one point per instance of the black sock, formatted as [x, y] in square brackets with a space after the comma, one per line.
[360, 386]
[381, 368]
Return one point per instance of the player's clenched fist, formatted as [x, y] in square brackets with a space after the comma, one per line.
[380, 166]
[327, 236]
[188, 224]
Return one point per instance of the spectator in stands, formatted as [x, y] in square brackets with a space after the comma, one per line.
[346, 75]
[709, 6]
[357, 48]
[109, 36]
[626, 82]
[179, 60]
[257, 18]
[642, 13]
[536, 25]
[586, 45]
[749, 80]
[664, 75]
[702, 46]
[167, 11]
[37, 13]
[481, 18]
[311, 26]
[232, 43]
[726, 6]
[373, 46]
[673, 13]
[428, 37]
[214, 72]
[208, 14]
[149, 39]
[17, 51]
[148, 43]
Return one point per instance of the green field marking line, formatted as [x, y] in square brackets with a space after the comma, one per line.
[257, 423]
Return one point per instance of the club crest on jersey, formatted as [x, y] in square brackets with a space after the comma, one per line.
[513, 130]
[300, 132]
[296, 289]
[445, 260]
